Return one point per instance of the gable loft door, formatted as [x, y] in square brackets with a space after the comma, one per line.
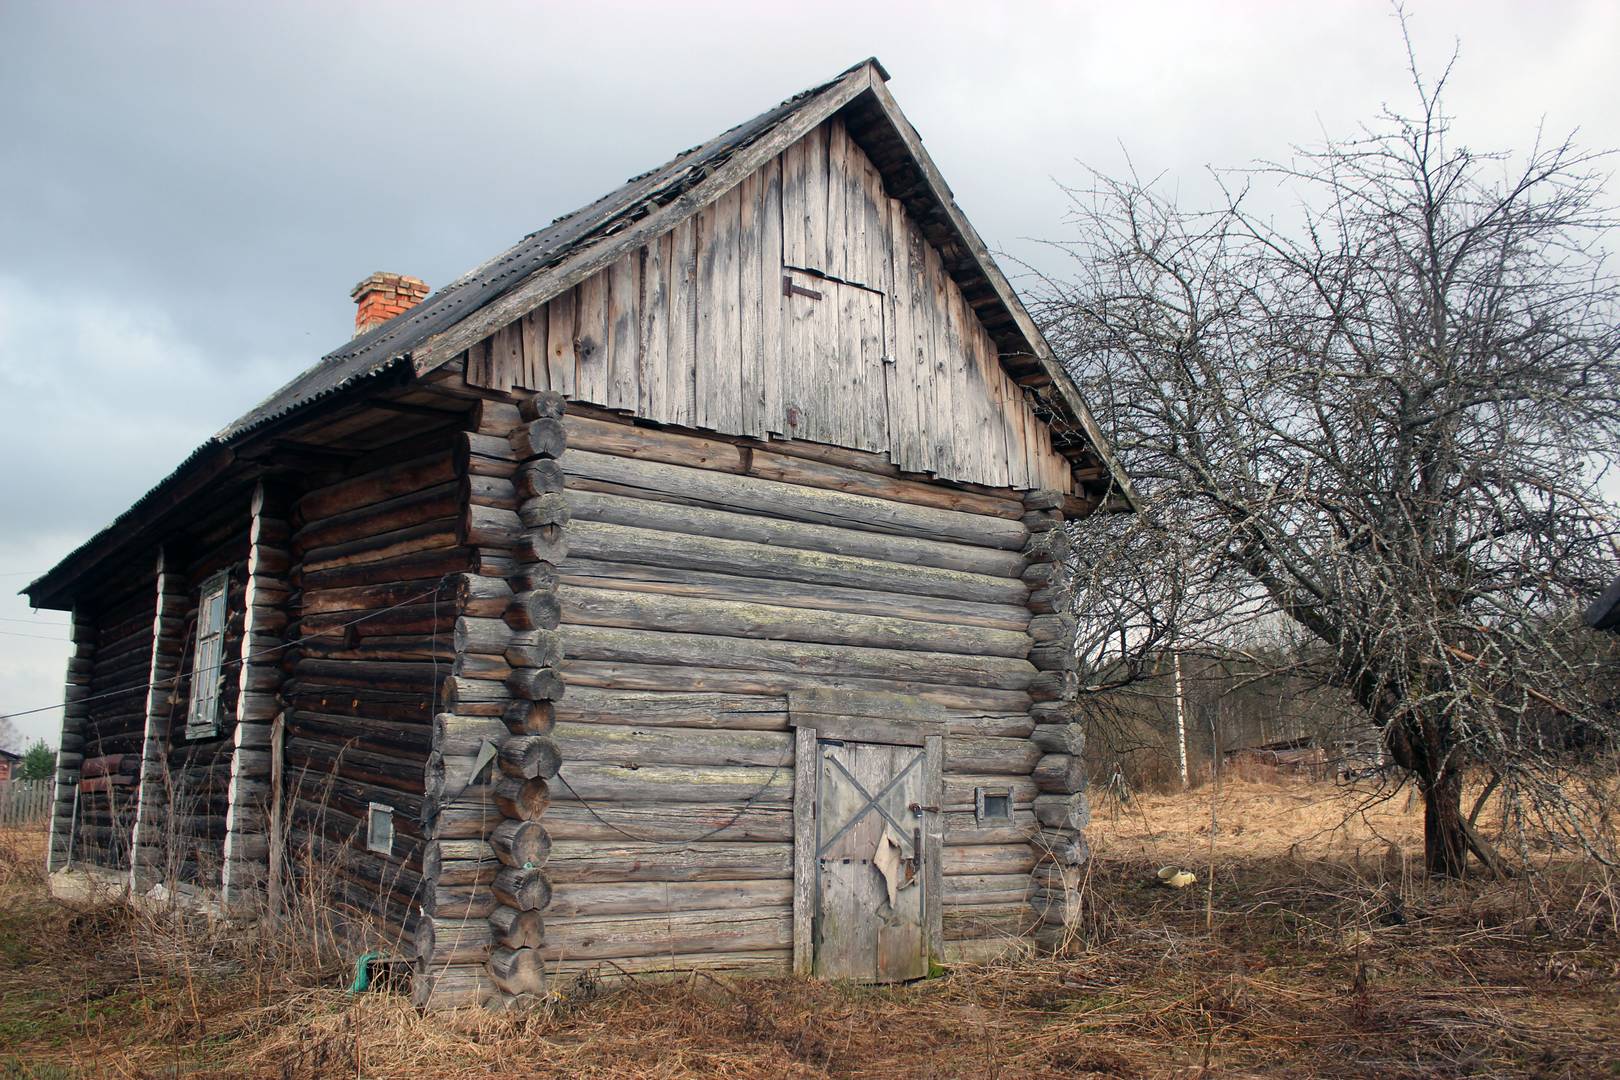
[867, 868]
[832, 378]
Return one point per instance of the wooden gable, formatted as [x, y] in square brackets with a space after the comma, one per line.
[803, 303]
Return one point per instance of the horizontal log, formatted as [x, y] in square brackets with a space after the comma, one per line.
[494, 637]
[989, 859]
[1058, 811]
[611, 542]
[404, 511]
[544, 437]
[658, 516]
[674, 581]
[731, 618]
[529, 756]
[439, 988]
[726, 930]
[518, 971]
[1061, 846]
[960, 787]
[488, 526]
[1054, 686]
[382, 547]
[452, 941]
[669, 822]
[1059, 774]
[425, 565]
[357, 599]
[995, 756]
[538, 511]
[1054, 657]
[536, 684]
[533, 610]
[979, 890]
[538, 476]
[529, 717]
[671, 448]
[652, 708]
[547, 544]
[684, 678]
[524, 800]
[626, 744]
[464, 736]
[718, 651]
[600, 782]
[514, 929]
[575, 861]
[526, 888]
[584, 899]
[795, 501]
[520, 843]
[377, 486]
[542, 405]
[485, 490]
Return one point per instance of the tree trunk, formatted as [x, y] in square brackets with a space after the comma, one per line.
[1445, 844]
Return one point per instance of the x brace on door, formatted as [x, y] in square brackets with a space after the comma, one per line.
[872, 803]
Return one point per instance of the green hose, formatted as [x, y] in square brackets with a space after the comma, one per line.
[362, 972]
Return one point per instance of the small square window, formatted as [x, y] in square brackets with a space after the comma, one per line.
[380, 829]
[992, 805]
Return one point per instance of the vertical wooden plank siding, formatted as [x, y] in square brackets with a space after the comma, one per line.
[624, 334]
[559, 345]
[694, 330]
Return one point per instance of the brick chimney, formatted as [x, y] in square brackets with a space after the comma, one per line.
[382, 296]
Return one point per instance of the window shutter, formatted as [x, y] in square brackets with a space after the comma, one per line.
[207, 672]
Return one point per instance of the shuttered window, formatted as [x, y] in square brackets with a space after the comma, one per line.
[207, 675]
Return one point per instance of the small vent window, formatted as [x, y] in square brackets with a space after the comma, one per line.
[992, 805]
[380, 829]
[207, 670]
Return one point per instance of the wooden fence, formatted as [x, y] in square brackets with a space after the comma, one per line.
[25, 802]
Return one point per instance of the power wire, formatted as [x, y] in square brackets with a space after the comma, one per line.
[173, 679]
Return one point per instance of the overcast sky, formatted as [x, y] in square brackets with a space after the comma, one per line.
[188, 191]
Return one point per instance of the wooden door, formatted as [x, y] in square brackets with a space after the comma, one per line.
[872, 861]
[832, 370]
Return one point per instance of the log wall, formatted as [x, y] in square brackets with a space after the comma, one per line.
[805, 303]
[151, 814]
[70, 752]
[703, 581]
[113, 727]
[193, 795]
[375, 558]
[264, 615]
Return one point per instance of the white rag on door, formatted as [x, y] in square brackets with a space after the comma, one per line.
[888, 858]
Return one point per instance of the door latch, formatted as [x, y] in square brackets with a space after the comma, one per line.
[917, 809]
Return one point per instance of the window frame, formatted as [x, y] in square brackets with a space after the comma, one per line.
[981, 806]
[205, 699]
[379, 814]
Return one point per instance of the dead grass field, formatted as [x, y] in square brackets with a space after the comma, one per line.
[1316, 953]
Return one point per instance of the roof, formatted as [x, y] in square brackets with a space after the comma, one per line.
[550, 261]
[394, 341]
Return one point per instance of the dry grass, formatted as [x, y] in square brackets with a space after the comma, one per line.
[1317, 953]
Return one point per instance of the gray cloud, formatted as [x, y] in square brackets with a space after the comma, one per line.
[188, 190]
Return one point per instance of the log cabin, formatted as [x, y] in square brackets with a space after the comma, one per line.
[683, 588]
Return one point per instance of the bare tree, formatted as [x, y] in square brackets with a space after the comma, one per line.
[1386, 421]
